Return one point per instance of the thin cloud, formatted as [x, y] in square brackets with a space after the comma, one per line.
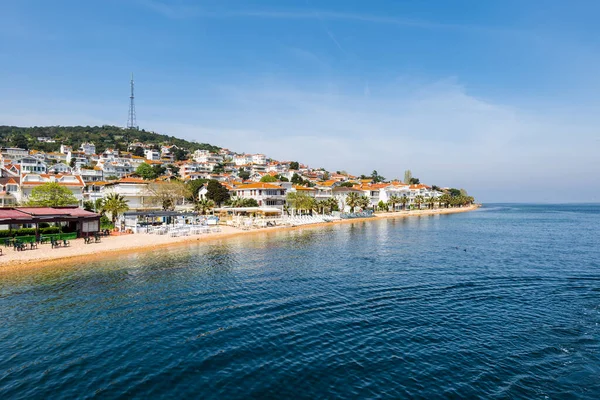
[172, 11]
[178, 11]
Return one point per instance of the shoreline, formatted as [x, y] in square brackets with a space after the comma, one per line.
[111, 248]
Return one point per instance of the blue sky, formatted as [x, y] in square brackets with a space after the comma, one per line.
[498, 97]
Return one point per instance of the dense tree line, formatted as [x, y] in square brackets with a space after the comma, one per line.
[102, 136]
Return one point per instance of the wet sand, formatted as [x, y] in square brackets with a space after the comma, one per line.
[114, 246]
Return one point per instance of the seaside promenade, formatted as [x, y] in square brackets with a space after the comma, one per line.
[115, 246]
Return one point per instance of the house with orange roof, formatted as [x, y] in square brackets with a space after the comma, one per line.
[29, 181]
[265, 194]
[94, 174]
[134, 190]
[9, 188]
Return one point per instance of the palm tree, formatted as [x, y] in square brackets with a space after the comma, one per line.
[419, 200]
[364, 202]
[404, 200]
[352, 200]
[431, 202]
[204, 205]
[445, 199]
[393, 201]
[114, 204]
[332, 204]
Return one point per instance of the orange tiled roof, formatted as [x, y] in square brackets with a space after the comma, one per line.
[259, 185]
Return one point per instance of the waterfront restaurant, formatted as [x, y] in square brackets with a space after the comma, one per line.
[81, 221]
[141, 221]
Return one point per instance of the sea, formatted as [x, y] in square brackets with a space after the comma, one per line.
[501, 302]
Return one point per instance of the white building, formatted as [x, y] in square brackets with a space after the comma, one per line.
[60, 168]
[65, 149]
[341, 194]
[151, 154]
[265, 194]
[90, 175]
[9, 188]
[72, 182]
[242, 159]
[88, 148]
[113, 168]
[259, 159]
[13, 153]
[135, 191]
[32, 164]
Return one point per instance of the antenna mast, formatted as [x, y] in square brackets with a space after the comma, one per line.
[131, 120]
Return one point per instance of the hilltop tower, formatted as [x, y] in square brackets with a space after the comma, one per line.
[131, 120]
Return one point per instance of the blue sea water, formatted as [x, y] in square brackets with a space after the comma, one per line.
[502, 302]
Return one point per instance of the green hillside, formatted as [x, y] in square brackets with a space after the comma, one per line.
[102, 136]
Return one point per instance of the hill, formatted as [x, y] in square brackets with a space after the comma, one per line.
[102, 136]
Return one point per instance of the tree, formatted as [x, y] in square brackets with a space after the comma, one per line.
[139, 152]
[159, 170]
[364, 202]
[347, 184]
[145, 171]
[333, 204]
[20, 141]
[445, 200]
[204, 205]
[167, 194]
[300, 201]
[382, 206]
[217, 192]
[268, 178]
[89, 206]
[326, 176]
[112, 178]
[454, 192]
[281, 178]
[414, 181]
[193, 187]
[419, 200]
[114, 204]
[241, 202]
[173, 168]
[393, 200]
[218, 168]
[295, 165]
[243, 174]
[431, 202]
[180, 154]
[407, 176]
[51, 194]
[352, 200]
[376, 178]
[404, 201]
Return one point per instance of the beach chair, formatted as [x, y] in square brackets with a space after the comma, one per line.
[32, 245]
[87, 240]
[97, 238]
[55, 243]
[66, 243]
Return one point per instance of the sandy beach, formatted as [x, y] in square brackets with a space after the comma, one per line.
[113, 246]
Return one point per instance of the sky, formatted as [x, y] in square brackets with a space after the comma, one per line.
[498, 97]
